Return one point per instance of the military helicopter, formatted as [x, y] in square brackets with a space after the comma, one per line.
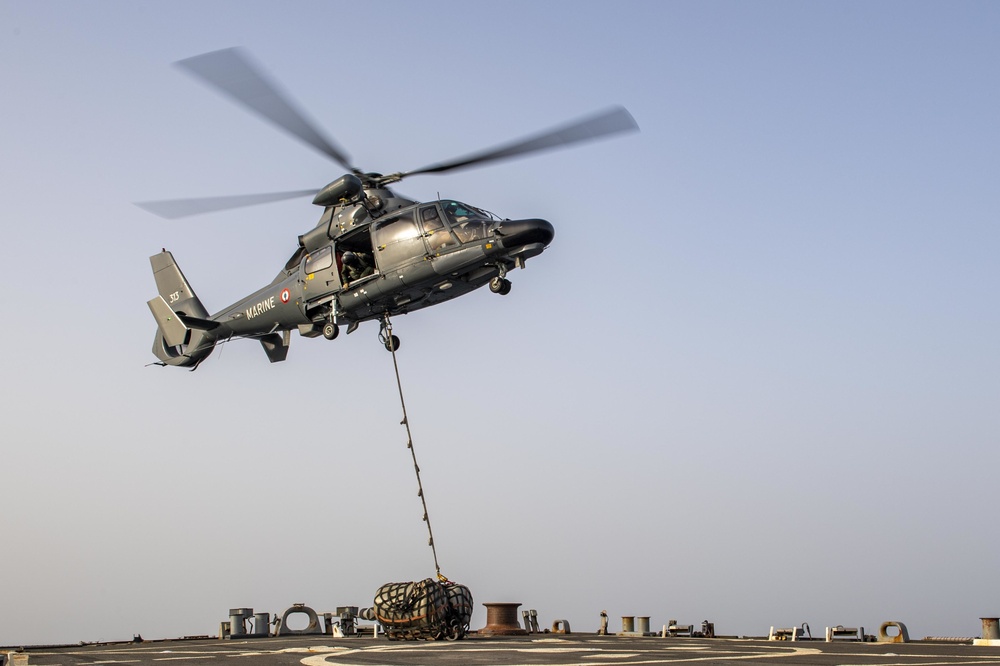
[373, 254]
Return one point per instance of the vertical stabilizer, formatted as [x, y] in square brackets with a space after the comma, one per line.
[176, 343]
[174, 287]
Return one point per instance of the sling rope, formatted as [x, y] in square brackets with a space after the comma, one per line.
[390, 343]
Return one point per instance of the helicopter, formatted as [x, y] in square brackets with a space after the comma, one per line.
[374, 254]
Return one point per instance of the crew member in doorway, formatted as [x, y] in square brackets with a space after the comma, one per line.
[355, 266]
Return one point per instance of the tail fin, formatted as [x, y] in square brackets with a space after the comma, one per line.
[185, 335]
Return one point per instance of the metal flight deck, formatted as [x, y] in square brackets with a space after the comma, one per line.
[574, 649]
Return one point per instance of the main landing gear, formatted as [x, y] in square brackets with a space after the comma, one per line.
[385, 336]
[499, 285]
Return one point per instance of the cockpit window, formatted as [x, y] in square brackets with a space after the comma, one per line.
[468, 223]
[459, 212]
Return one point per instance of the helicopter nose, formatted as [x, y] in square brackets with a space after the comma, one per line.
[526, 232]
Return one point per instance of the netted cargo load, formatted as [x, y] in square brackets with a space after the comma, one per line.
[460, 600]
[426, 609]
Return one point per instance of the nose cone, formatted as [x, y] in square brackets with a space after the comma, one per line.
[516, 233]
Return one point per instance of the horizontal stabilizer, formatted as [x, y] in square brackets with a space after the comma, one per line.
[199, 323]
[173, 329]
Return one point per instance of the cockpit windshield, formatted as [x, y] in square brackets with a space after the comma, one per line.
[458, 212]
[468, 223]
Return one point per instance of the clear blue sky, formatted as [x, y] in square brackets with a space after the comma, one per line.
[754, 380]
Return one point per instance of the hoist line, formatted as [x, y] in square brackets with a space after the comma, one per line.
[389, 342]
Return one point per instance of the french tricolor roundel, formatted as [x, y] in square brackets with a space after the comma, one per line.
[285, 295]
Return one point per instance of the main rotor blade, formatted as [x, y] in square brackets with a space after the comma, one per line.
[173, 209]
[231, 72]
[611, 121]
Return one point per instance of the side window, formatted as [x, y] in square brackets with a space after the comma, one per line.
[319, 260]
[435, 232]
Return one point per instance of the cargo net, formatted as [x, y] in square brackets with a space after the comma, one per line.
[424, 610]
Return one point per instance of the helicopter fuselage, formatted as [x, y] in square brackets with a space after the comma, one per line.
[361, 263]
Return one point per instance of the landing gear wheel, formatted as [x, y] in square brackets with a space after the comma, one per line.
[499, 285]
[392, 343]
[330, 330]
